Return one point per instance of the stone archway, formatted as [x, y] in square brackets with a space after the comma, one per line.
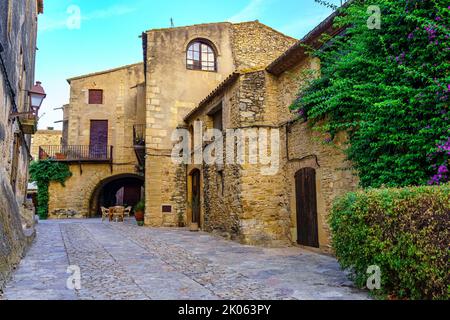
[123, 189]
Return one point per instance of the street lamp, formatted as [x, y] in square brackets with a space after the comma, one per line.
[28, 119]
[37, 96]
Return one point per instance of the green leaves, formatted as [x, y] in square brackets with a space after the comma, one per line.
[388, 89]
[405, 232]
[44, 172]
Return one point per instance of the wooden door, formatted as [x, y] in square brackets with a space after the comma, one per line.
[307, 223]
[98, 145]
[196, 197]
[132, 195]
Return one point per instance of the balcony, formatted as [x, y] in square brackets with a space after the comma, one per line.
[86, 153]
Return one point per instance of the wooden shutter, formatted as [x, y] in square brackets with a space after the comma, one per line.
[95, 96]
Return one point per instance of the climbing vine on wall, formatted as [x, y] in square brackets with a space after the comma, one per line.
[388, 88]
[44, 172]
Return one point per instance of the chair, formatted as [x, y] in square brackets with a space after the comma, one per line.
[127, 211]
[105, 213]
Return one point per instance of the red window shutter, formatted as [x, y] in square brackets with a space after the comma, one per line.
[95, 96]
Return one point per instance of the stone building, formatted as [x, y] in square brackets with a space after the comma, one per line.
[182, 66]
[103, 130]
[234, 78]
[18, 30]
[47, 137]
[245, 200]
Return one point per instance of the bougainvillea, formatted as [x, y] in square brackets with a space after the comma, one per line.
[442, 163]
[389, 89]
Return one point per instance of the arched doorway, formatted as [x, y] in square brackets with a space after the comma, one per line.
[195, 197]
[124, 190]
[306, 199]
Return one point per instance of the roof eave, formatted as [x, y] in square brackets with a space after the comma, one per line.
[297, 52]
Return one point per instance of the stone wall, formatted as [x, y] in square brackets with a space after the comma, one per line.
[256, 45]
[334, 177]
[123, 107]
[12, 239]
[309, 148]
[172, 95]
[44, 138]
[238, 200]
[253, 206]
[74, 199]
[18, 29]
[172, 91]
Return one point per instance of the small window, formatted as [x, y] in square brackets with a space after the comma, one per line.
[201, 56]
[95, 96]
[218, 120]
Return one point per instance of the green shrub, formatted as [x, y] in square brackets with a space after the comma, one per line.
[43, 172]
[403, 231]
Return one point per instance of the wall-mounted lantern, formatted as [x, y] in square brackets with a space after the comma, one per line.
[37, 95]
[28, 120]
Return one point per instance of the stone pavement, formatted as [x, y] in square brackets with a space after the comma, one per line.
[122, 261]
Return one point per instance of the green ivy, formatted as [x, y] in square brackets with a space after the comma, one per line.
[44, 172]
[388, 89]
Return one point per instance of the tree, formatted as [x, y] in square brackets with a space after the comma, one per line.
[388, 88]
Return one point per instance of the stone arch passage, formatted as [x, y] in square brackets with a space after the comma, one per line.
[124, 189]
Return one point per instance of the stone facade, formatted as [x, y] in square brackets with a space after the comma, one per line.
[123, 108]
[252, 206]
[18, 29]
[258, 75]
[171, 95]
[47, 137]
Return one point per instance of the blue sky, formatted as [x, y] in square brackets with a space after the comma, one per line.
[108, 33]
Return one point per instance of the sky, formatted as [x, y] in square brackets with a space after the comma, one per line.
[107, 34]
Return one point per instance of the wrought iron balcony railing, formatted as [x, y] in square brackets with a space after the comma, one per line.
[84, 153]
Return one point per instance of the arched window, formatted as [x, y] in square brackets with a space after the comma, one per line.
[201, 56]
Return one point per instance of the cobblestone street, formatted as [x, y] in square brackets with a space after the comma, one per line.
[123, 261]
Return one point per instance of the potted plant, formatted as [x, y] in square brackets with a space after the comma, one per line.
[139, 213]
[60, 156]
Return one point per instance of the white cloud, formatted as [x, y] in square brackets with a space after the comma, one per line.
[250, 12]
[60, 22]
